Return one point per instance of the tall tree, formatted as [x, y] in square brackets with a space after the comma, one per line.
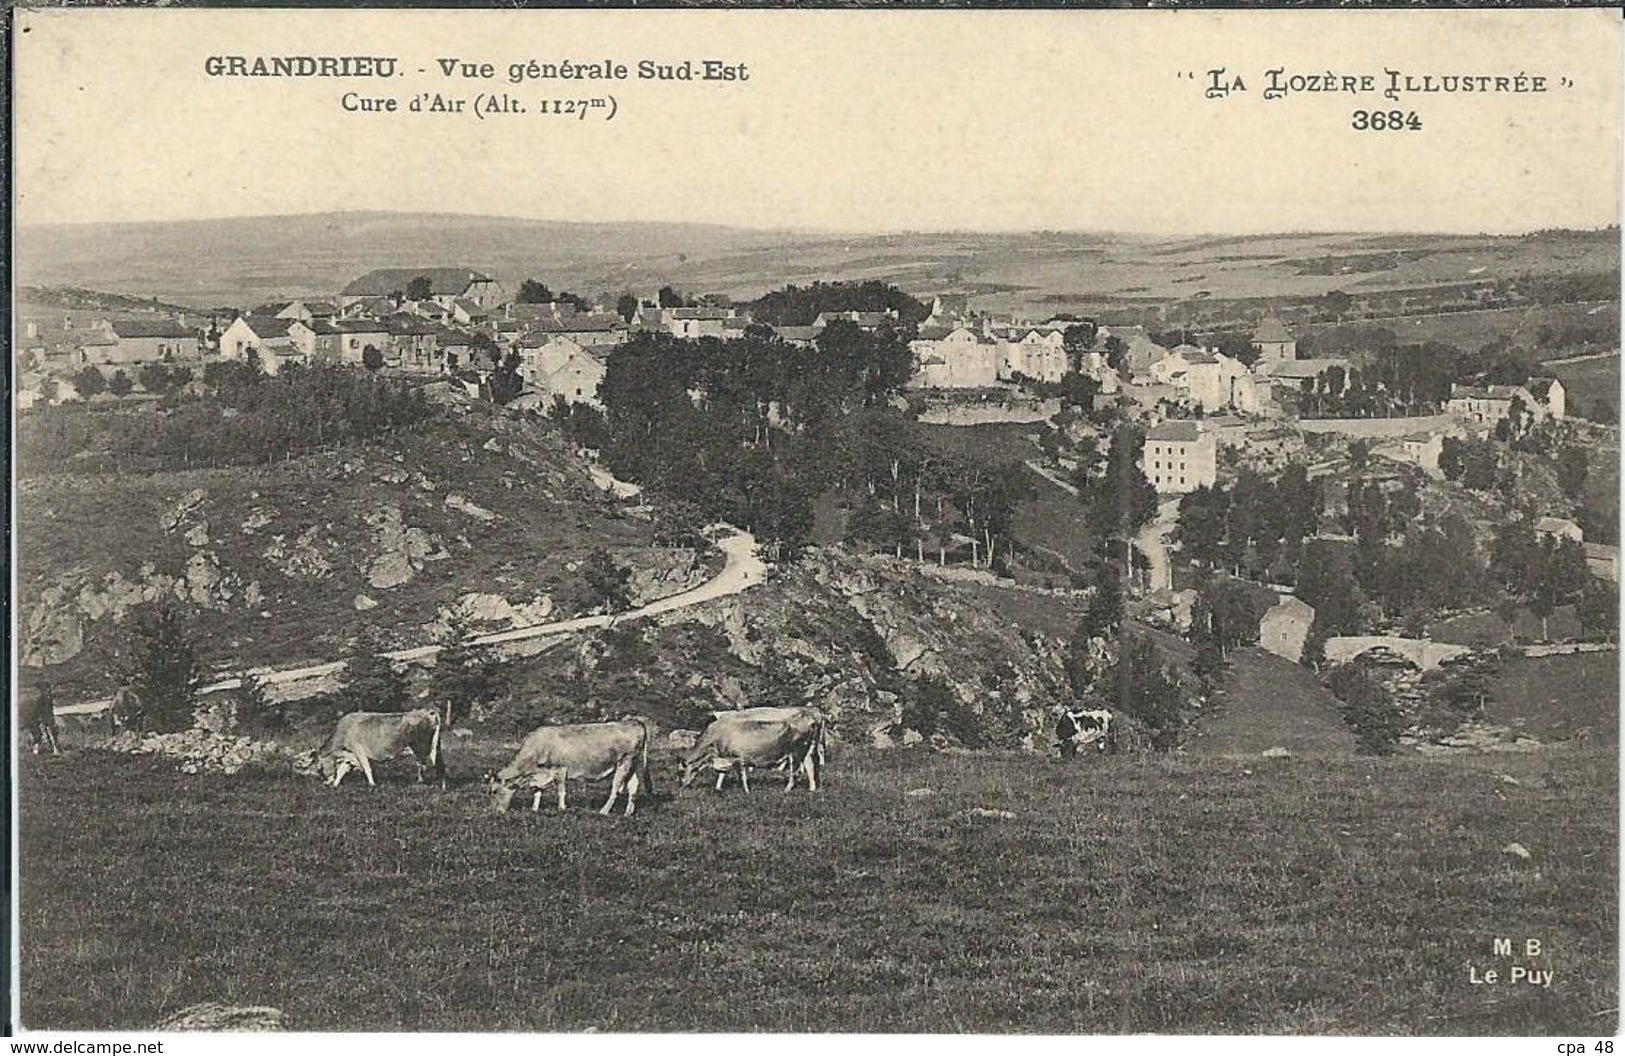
[420, 288]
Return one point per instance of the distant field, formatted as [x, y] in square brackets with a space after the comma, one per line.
[1590, 380]
[220, 262]
[1474, 330]
[1121, 895]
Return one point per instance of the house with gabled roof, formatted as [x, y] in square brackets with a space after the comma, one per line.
[1179, 457]
[1491, 403]
[318, 339]
[136, 341]
[961, 358]
[446, 285]
[265, 336]
[1274, 341]
[1549, 395]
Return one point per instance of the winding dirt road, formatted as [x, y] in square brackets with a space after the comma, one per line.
[743, 569]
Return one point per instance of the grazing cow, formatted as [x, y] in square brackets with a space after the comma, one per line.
[363, 737]
[1079, 728]
[738, 741]
[37, 716]
[779, 714]
[551, 755]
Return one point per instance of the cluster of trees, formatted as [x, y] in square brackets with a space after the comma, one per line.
[909, 498]
[1251, 528]
[245, 418]
[1108, 664]
[747, 429]
[1225, 617]
[1545, 572]
[533, 292]
[799, 306]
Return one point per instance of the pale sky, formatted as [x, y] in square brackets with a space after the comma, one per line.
[851, 120]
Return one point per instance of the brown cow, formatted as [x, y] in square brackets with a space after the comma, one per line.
[363, 737]
[594, 751]
[36, 713]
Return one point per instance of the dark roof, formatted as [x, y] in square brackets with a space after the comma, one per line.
[359, 326]
[319, 326]
[442, 281]
[146, 328]
[1180, 432]
[267, 325]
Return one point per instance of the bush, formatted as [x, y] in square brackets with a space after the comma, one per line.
[256, 711]
[371, 680]
[162, 669]
[1367, 709]
[931, 706]
[463, 675]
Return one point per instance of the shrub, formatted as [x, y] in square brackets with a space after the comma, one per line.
[1367, 709]
[162, 669]
[371, 680]
[256, 711]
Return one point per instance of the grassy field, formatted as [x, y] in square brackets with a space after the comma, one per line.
[1589, 380]
[1556, 697]
[1267, 702]
[1128, 894]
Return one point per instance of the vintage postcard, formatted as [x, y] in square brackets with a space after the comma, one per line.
[808, 522]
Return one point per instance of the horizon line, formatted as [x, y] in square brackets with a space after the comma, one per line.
[835, 232]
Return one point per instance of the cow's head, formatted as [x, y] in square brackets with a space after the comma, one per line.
[325, 765]
[689, 768]
[501, 792]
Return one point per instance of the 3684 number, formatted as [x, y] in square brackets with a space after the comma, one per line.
[1386, 121]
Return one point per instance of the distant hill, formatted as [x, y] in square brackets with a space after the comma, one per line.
[208, 263]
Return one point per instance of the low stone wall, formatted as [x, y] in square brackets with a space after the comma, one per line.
[1372, 428]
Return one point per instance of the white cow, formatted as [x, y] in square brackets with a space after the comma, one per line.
[363, 737]
[551, 755]
[779, 738]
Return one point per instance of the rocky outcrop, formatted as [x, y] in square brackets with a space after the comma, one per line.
[304, 558]
[402, 551]
[202, 751]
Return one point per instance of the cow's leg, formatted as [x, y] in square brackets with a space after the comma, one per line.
[809, 766]
[617, 782]
[722, 776]
[561, 776]
[339, 770]
[50, 735]
[366, 768]
[744, 775]
[633, 784]
[791, 772]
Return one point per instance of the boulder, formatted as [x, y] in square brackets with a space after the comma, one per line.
[213, 1016]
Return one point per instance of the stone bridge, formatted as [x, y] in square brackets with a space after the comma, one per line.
[1423, 652]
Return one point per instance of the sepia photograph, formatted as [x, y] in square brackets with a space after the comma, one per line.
[799, 522]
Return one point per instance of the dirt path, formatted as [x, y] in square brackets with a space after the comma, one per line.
[743, 569]
[1152, 542]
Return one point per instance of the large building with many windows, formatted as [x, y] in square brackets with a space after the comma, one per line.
[1180, 457]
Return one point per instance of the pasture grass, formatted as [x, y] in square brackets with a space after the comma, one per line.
[1125, 894]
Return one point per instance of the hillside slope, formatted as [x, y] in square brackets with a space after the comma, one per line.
[479, 513]
[1268, 702]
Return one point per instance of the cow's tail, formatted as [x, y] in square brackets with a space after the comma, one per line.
[645, 774]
